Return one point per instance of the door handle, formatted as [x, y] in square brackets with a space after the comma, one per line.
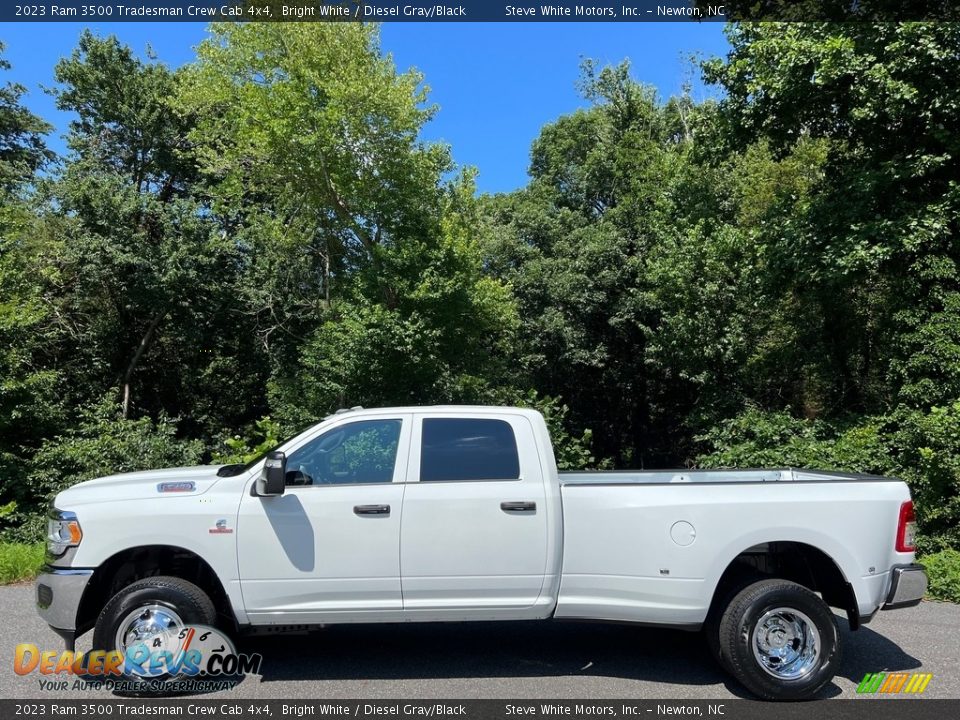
[518, 506]
[371, 509]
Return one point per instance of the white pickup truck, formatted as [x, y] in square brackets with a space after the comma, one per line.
[424, 514]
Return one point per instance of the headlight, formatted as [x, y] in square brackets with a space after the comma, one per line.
[63, 531]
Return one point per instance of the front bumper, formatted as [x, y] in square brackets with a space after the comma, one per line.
[58, 596]
[908, 584]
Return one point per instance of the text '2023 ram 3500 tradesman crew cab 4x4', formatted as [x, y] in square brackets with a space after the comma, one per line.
[431, 514]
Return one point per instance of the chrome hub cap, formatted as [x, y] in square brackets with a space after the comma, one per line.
[156, 626]
[786, 643]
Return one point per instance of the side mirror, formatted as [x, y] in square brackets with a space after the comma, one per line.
[273, 478]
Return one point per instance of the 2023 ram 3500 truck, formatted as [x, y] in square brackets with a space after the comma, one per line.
[459, 513]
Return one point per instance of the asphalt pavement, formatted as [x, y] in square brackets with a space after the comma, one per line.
[526, 660]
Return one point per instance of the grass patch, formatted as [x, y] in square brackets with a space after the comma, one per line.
[19, 561]
[943, 571]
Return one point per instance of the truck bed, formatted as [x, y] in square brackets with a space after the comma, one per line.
[652, 545]
[664, 477]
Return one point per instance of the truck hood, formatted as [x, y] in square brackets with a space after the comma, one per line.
[145, 484]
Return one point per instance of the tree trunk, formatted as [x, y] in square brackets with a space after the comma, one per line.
[134, 361]
[326, 275]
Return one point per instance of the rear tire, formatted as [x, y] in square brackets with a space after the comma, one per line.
[741, 578]
[780, 640]
[711, 630]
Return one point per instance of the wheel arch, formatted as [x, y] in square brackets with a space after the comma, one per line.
[798, 561]
[144, 561]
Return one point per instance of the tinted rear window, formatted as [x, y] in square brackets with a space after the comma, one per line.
[460, 449]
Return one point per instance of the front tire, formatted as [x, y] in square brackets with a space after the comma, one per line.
[152, 607]
[780, 640]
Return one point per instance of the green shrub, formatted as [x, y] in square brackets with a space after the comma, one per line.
[573, 452]
[19, 561]
[102, 444]
[264, 434]
[943, 570]
[757, 438]
[926, 447]
[922, 447]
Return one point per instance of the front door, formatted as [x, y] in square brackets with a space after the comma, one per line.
[329, 547]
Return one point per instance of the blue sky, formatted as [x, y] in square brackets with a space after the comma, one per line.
[496, 83]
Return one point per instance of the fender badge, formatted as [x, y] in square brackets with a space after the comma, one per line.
[221, 527]
[183, 486]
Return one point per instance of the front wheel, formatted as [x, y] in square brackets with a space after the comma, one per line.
[152, 612]
[780, 640]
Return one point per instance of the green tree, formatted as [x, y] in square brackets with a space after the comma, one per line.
[856, 246]
[29, 404]
[99, 443]
[871, 253]
[606, 250]
[367, 283]
[22, 148]
[139, 271]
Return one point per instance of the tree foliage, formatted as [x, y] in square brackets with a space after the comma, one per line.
[100, 443]
[768, 279]
[29, 406]
[234, 248]
[864, 281]
[373, 291]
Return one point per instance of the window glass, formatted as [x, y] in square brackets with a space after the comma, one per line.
[360, 452]
[462, 449]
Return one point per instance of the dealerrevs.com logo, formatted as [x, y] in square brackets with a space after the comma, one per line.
[184, 658]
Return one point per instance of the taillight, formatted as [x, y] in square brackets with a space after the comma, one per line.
[906, 528]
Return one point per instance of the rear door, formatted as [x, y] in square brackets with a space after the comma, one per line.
[474, 531]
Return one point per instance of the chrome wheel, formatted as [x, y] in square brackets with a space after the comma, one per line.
[157, 626]
[786, 643]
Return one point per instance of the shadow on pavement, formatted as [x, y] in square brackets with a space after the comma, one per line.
[489, 649]
[530, 649]
[866, 651]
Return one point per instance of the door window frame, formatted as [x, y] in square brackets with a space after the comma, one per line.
[522, 431]
[400, 465]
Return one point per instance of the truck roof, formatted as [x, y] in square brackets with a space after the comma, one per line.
[441, 408]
